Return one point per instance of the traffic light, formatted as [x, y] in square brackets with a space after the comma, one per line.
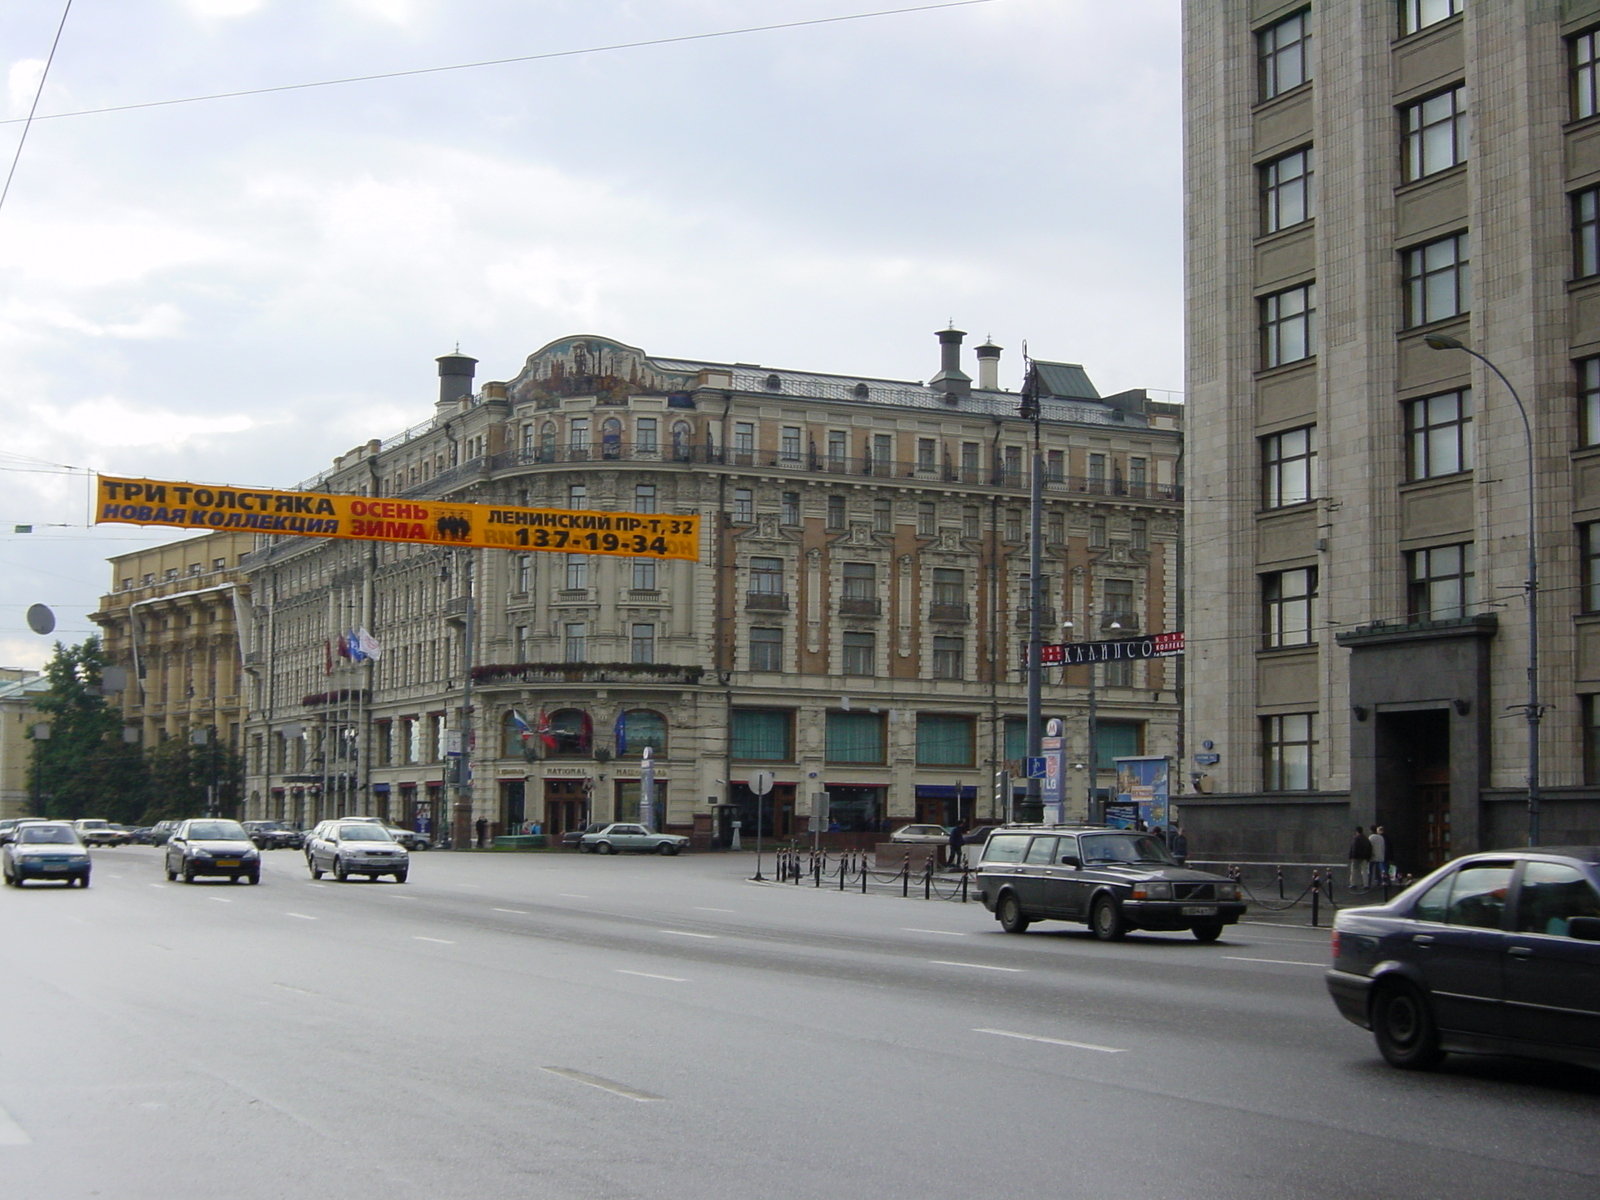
[1002, 795]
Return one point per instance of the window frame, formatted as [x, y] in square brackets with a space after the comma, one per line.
[1421, 580]
[743, 739]
[1275, 190]
[1583, 71]
[1425, 435]
[770, 658]
[1413, 20]
[1277, 738]
[1289, 618]
[836, 753]
[1277, 467]
[858, 653]
[1419, 129]
[947, 657]
[1277, 326]
[1274, 50]
[1588, 371]
[946, 740]
[1589, 567]
[1420, 272]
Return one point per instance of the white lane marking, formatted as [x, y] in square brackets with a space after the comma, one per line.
[321, 885]
[703, 908]
[220, 899]
[289, 987]
[470, 885]
[946, 932]
[12, 1134]
[647, 975]
[686, 933]
[939, 962]
[302, 916]
[521, 912]
[160, 885]
[441, 941]
[1050, 1041]
[572, 895]
[1282, 962]
[114, 876]
[605, 1085]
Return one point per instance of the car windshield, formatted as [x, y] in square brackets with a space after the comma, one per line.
[217, 831]
[46, 833]
[364, 833]
[1125, 848]
[94, 824]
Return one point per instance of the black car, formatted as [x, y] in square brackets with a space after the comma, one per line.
[1113, 880]
[274, 835]
[571, 839]
[1495, 953]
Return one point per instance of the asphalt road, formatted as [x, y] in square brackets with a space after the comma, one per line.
[561, 1026]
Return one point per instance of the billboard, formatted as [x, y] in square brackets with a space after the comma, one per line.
[1142, 792]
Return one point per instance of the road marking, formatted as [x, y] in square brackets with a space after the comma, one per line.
[12, 1134]
[703, 908]
[685, 933]
[220, 899]
[114, 876]
[289, 987]
[1050, 1041]
[441, 941]
[470, 885]
[321, 885]
[946, 932]
[159, 885]
[605, 1085]
[302, 916]
[1282, 962]
[572, 895]
[521, 912]
[647, 975]
[939, 962]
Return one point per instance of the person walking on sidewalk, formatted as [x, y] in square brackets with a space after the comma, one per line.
[957, 855]
[1379, 871]
[481, 825]
[1179, 845]
[1360, 858]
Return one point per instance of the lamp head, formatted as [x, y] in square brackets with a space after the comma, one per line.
[1441, 341]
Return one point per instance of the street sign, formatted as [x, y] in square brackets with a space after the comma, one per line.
[1036, 767]
[1207, 760]
[761, 782]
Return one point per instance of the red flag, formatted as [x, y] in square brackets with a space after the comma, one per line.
[327, 656]
[546, 735]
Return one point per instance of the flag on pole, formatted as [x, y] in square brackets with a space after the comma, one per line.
[621, 733]
[367, 645]
[327, 656]
[343, 647]
[546, 734]
[524, 730]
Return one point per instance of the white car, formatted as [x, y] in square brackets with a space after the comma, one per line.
[619, 836]
[921, 835]
[357, 848]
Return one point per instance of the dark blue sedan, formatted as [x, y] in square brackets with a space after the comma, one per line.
[1495, 953]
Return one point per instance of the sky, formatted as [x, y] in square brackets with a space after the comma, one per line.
[237, 290]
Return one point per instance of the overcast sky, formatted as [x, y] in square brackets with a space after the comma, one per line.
[236, 290]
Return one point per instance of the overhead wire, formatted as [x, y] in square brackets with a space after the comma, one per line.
[27, 122]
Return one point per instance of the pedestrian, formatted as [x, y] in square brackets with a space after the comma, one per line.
[482, 826]
[1160, 833]
[1379, 871]
[957, 857]
[1360, 858]
[1179, 845]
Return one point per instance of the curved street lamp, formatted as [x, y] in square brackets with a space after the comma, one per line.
[1533, 710]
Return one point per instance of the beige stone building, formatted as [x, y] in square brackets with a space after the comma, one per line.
[172, 618]
[18, 716]
[853, 623]
[1362, 174]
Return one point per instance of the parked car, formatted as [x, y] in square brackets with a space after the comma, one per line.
[573, 838]
[274, 835]
[161, 831]
[95, 832]
[356, 847]
[921, 835]
[617, 837]
[44, 850]
[1495, 953]
[206, 846]
[8, 826]
[1113, 880]
[410, 838]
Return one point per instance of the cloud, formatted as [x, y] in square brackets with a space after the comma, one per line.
[225, 9]
[22, 84]
[111, 422]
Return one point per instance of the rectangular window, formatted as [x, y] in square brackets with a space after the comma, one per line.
[1589, 400]
[1055, 467]
[577, 572]
[647, 431]
[766, 649]
[644, 643]
[859, 653]
[524, 573]
[948, 658]
[854, 737]
[860, 581]
[835, 512]
[1589, 538]
[882, 454]
[577, 641]
[1118, 673]
[1286, 191]
[789, 445]
[1288, 325]
[1116, 598]
[1117, 739]
[763, 734]
[972, 517]
[1289, 467]
[1097, 532]
[1283, 54]
[1586, 233]
[927, 455]
[577, 495]
[1439, 435]
[766, 576]
[644, 497]
[1139, 534]
[1437, 283]
[1055, 526]
[644, 574]
[744, 438]
[882, 516]
[1585, 82]
[1434, 133]
[744, 505]
[838, 450]
[1288, 607]
[1013, 466]
[1591, 739]
[522, 643]
[578, 437]
[1419, 14]
[1013, 524]
[1442, 585]
[969, 462]
[927, 519]
[949, 586]
[945, 740]
[1287, 753]
[790, 511]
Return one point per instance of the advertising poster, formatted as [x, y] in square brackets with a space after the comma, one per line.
[1141, 793]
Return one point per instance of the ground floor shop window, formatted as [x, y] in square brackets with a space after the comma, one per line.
[855, 809]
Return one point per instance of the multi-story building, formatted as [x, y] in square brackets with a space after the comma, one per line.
[19, 691]
[854, 623]
[172, 618]
[1364, 175]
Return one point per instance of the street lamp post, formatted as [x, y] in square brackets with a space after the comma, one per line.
[1092, 763]
[1533, 710]
[1031, 411]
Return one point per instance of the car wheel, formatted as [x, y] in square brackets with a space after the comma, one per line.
[339, 872]
[399, 876]
[83, 881]
[605, 848]
[1012, 918]
[188, 875]
[666, 848]
[1206, 933]
[1105, 918]
[254, 877]
[316, 871]
[582, 849]
[672, 851]
[1402, 1024]
[171, 875]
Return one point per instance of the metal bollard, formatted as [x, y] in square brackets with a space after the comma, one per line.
[1316, 897]
[927, 880]
[1280, 881]
[905, 877]
[964, 874]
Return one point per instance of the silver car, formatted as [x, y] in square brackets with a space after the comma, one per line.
[357, 848]
[619, 836]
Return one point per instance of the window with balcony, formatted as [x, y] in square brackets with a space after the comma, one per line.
[1012, 466]
[949, 594]
[1437, 280]
[762, 735]
[1287, 197]
[766, 649]
[970, 454]
[789, 444]
[838, 450]
[1439, 435]
[1288, 607]
[949, 654]
[1288, 749]
[647, 431]
[766, 584]
[578, 437]
[744, 440]
[1116, 601]
[860, 653]
[860, 581]
[577, 577]
[1434, 133]
[1288, 325]
[644, 575]
[1416, 15]
[1055, 466]
[1441, 583]
[946, 740]
[927, 456]
[882, 454]
[1289, 467]
[1283, 55]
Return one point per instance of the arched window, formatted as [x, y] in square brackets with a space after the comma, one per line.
[611, 438]
[517, 736]
[570, 733]
[682, 437]
[547, 442]
[638, 728]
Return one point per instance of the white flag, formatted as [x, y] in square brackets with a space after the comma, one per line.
[368, 645]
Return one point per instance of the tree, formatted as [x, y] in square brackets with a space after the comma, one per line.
[84, 768]
[182, 773]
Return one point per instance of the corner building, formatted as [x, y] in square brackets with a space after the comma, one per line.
[1363, 175]
[854, 624]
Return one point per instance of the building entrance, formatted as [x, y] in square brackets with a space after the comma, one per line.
[1414, 788]
[566, 805]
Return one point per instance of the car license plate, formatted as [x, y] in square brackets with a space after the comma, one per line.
[1199, 910]
[227, 862]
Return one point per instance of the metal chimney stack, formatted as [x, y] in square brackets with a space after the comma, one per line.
[951, 379]
[989, 367]
[455, 380]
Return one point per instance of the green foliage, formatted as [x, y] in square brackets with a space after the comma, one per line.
[181, 772]
[84, 768]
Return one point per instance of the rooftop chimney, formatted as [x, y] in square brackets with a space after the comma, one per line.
[455, 380]
[951, 379]
[989, 367]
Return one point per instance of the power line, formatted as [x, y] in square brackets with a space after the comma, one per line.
[500, 62]
[34, 107]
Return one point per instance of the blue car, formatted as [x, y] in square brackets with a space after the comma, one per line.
[45, 850]
[1495, 953]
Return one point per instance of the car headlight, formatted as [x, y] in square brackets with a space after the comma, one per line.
[1227, 891]
[1152, 891]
